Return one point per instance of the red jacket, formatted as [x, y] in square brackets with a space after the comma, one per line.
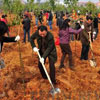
[3, 20]
[47, 15]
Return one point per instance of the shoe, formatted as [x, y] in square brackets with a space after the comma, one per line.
[81, 58]
[72, 68]
[86, 59]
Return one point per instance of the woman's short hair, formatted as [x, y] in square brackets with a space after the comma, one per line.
[65, 24]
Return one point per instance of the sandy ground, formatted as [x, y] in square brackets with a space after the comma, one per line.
[81, 84]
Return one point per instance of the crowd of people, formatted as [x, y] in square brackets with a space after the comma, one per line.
[45, 39]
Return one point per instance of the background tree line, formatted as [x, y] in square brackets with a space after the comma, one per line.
[16, 6]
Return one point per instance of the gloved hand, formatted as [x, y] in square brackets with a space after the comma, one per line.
[94, 32]
[35, 49]
[42, 60]
[82, 26]
[78, 21]
[17, 38]
[94, 35]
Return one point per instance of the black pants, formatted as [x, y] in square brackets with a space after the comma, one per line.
[66, 50]
[52, 70]
[84, 52]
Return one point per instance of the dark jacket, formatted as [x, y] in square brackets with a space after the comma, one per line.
[50, 17]
[50, 49]
[26, 23]
[60, 22]
[84, 36]
[95, 22]
[40, 16]
[6, 39]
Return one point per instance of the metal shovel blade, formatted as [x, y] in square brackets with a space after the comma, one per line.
[93, 63]
[55, 91]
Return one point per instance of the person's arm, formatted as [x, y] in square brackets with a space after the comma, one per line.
[33, 37]
[8, 39]
[72, 31]
[50, 47]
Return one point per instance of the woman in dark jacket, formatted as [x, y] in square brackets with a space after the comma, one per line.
[3, 30]
[64, 36]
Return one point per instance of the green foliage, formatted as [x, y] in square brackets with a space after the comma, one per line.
[30, 1]
[83, 10]
[37, 12]
[6, 5]
[17, 7]
[91, 7]
[45, 6]
[30, 5]
[52, 4]
[14, 6]
[16, 21]
[98, 10]
[72, 4]
[60, 7]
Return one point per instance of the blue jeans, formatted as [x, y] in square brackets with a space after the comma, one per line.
[36, 21]
[50, 24]
[72, 37]
[25, 35]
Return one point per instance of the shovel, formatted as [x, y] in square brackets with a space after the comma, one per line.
[53, 90]
[93, 60]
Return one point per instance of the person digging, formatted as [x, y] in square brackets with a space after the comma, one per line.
[46, 48]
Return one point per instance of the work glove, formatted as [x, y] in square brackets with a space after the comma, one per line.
[94, 32]
[42, 60]
[78, 21]
[17, 38]
[35, 49]
[82, 26]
